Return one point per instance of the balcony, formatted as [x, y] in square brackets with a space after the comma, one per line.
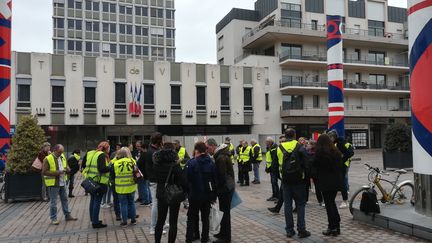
[319, 60]
[294, 84]
[350, 111]
[282, 30]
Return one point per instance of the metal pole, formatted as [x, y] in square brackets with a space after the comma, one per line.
[420, 52]
[336, 107]
[5, 73]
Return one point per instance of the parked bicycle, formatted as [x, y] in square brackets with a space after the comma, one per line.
[400, 193]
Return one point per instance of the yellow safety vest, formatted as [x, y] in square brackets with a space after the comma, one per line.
[231, 148]
[124, 180]
[269, 159]
[259, 158]
[181, 154]
[91, 170]
[348, 162]
[245, 155]
[289, 147]
[52, 162]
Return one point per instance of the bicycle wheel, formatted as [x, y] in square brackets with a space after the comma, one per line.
[404, 194]
[356, 199]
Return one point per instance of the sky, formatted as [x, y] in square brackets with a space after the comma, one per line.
[195, 26]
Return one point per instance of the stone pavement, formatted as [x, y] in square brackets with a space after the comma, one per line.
[251, 222]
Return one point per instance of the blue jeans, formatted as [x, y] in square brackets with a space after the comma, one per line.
[298, 194]
[127, 206]
[54, 192]
[95, 203]
[256, 171]
[107, 196]
[274, 183]
[144, 193]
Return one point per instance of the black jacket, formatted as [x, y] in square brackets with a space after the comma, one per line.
[148, 172]
[328, 169]
[201, 178]
[73, 164]
[163, 160]
[274, 168]
[224, 170]
[141, 163]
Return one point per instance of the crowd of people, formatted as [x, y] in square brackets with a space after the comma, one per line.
[203, 178]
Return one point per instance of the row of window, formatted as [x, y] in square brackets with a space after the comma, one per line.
[95, 26]
[120, 97]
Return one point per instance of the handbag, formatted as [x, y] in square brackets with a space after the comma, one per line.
[90, 186]
[174, 194]
[138, 176]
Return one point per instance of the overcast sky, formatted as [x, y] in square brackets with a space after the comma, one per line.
[195, 24]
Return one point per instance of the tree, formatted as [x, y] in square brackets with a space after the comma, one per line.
[26, 143]
[398, 138]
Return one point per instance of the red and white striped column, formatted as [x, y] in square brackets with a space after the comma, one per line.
[5, 73]
[420, 56]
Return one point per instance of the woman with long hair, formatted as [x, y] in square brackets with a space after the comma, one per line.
[328, 168]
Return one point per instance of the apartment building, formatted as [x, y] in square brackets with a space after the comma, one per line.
[288, 39]
[82, 100]
[142, 29]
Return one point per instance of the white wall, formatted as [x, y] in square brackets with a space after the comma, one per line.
[213, 94]
[41, 86]
[236, 95]
[74, 89]
[134, 79]
[162, 91]
[105, 89]
[188, 92]
[258, 95]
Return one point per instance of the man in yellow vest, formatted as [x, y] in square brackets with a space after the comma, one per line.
[54, 170]
[292, 157]
[272, 167]
[182, 153]
[244, 164]
[237, 157]
[231, 148]
[256, 160]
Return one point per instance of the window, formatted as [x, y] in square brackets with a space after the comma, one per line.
[109, 7]
[57, 97]
[267, 102]
[201, 98]
[315, 6]
[357, 78]
[59, 23]
[157, 51]
[92, 46]
[157, 32]
[141, 11]
[156, 12]
[225, 99]
[170, 53]
[109, 27]
[292, 102]
[74, 4]
[92, 26]
[169, 14]
[23, 95]
[148, 97]
[377, 81]
[126, 49]
[120, 96]
[247, 99]
[59, 45]
[141, 31]
[357, 54]
[74, 24]
[376, 58]
[170, 33]
[141, 50]
[125, 10]
[175, 97]
[220, 43]
[90, 97]
[125, 29]
[291, 51]
[357, 9]
[316, 101]
[59, 3]
[314, 24]
[92, 5]
[376, 28]
[291, 15]
[74, 45]
[113, 48]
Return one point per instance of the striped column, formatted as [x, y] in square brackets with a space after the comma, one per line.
[420, 52]
[335, 74]
[5, 72]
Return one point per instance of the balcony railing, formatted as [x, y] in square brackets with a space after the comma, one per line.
[321, 57]
[321, 28]
[289, 81]
[288, 107]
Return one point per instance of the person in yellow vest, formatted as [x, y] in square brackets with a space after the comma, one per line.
[73, 163]
[122, 173]
[244, 164]
[231, 148]
[182, 153]
[272, 167]
[97, 169]
[54, 170]
[292, 157]
[256, 159]
[237, 157]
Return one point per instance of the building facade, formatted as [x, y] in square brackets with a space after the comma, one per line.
[288, 39]
[144, 29]
[82, 100]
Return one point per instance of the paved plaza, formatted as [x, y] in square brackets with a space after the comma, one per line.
[251, 221]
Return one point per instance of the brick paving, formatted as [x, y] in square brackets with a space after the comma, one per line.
[251, 222]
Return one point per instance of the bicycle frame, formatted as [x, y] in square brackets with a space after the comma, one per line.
[388, 196]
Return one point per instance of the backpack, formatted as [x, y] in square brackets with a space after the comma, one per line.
[292, 170]
[369, 202]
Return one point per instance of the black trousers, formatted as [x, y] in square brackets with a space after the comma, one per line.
[280, 200]
[318, 192]
[239, 171]
[331, 208]
[192, 229]
[225, 206]
[71, 182]
[244, 174]
[173, 217]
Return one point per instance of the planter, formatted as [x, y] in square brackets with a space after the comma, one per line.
[399, 160]
[23, 187]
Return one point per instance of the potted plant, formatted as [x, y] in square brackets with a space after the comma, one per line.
[21, 181]
[397, 151]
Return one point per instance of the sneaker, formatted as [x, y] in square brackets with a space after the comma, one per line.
[304, 234]
[291, 233]
[344, 204]
[166, 226]
[145, 204]
[123, 224]
[152, 232]
[133, 222]
[70, 218]
[273, 210]
[322, 204]
[55, 222]
[105, 205]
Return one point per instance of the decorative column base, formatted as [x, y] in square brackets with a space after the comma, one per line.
[423, 194]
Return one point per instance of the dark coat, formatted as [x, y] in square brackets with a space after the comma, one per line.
[225, 178]
[328, 172]
[148, 172]
[73, 164]
[163, 160]
[201, 178]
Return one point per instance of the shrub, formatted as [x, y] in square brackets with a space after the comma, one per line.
[26, 144]
[398, 138]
